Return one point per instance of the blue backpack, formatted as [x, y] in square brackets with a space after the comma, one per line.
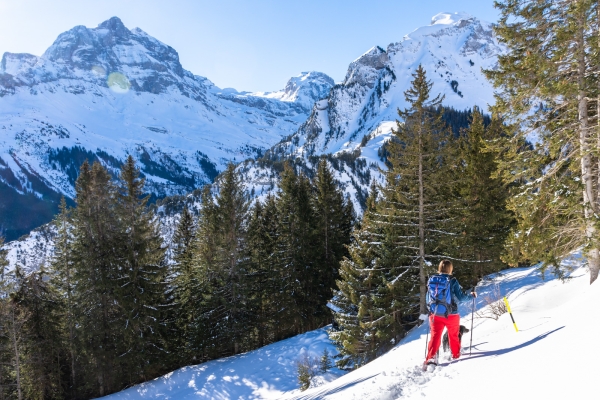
[440, 295]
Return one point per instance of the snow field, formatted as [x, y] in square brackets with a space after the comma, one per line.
[265, 373]
[551, 357]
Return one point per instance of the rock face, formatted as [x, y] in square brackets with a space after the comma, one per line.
[107, 92]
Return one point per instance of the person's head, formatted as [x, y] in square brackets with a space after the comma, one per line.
[445, 267]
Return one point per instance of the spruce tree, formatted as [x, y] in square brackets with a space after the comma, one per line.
[334, 217]
[410, 225]
[297, 255]
[264, 278]
[360, 284]
[546, 85]
[420, 197]
[186, 290]
[62, 279]
[485, 220]
[141, 278]
[10, 385]
[42, 344]
[220, 253]
[3, 258]
[97, 277]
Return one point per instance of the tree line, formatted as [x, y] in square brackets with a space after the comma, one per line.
[110, 310]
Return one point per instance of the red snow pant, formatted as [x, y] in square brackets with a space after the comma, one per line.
[437, 324]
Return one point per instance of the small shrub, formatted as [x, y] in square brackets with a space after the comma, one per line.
[495, 306]
[306, 368]
[325, 362]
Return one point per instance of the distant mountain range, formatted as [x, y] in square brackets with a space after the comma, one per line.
[107, 92]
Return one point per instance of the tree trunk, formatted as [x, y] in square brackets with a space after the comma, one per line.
[587, 175]
[423, 286]
[16, 350]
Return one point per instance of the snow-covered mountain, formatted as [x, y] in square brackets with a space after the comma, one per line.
[357, 117]
[103, 93]
[548, 358]
[183, 129]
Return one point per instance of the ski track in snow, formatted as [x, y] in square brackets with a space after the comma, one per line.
[557, 336]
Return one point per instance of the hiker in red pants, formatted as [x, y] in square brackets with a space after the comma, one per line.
[443, 295]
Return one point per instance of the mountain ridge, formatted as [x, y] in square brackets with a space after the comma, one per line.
[108, 92]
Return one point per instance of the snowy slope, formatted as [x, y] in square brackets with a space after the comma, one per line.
[552, 356]
[266, 373]
[359, 113]
[546, 359]
[104, 93]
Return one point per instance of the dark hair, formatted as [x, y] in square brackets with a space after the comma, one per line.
[445, 267]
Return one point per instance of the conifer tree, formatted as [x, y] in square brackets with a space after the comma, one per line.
[187, 292]
[142, 277]
[334, 217]
[361, 279]
[10, 385]
[547, 83]
[42, 342]
[62, 280]
[3, 259]
[420, 198]
[97, 277]
[411, 224]
[220, 245]
[298, 256]
[485, 221]
[264, 278]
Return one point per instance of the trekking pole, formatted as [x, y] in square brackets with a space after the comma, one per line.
[472, 315]
[510, 312]
[423, 317]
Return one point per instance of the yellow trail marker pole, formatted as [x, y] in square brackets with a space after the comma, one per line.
[510, 312]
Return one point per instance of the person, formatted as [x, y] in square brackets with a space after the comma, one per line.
[445, 318]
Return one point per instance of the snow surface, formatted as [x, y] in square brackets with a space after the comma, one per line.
[550, 357]
[266, 373]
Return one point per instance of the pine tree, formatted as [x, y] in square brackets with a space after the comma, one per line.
[62, 280]
[187, 292]
[220, 246]
[485, 221]
[265, 284]
[361, 279]
[420, 199]
[44, 356]
[334, 217]
[546, 84]
[141, 278]
[97, 277]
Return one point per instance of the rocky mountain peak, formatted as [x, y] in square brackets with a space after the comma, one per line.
[449, 18]
[114, 25]
[15, 63]
[364, 70]
[307, 88]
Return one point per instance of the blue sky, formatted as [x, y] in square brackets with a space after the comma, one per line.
[254, 45]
